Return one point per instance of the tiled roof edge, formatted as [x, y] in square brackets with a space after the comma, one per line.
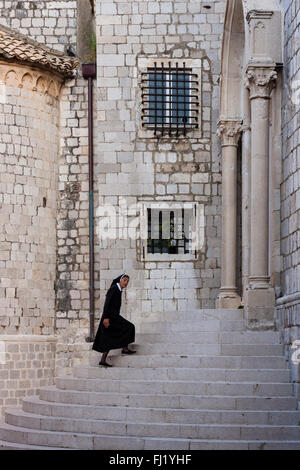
[17, 46]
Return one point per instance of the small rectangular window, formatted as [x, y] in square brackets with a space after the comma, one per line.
[169, 231]
[170, 99]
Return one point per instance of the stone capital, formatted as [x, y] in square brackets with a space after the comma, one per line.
[229, 132]
[260, 81]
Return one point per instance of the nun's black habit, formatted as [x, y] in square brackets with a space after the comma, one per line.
[120, 332]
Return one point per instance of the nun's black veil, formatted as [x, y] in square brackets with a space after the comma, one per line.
[115, 281]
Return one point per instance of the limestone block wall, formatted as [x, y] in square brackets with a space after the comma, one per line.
[26, 363]
[54, 23]
[188, 170]
[288, 308]
[132, 166]
[72, 263]
[29, 116]
[72, 294]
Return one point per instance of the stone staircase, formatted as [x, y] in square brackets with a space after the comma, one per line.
[200, 380]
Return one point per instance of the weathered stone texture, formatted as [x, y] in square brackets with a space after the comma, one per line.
[290, 187]
[288, 313]
[28, 178]
[59, 215]
[26, 363]
[50, 23]
[134, 166]
[129, 163]
[72, 295]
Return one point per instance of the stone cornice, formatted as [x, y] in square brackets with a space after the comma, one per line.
[229, 132]
[260, 80]
[35, 80]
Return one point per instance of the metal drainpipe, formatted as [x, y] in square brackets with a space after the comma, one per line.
[89, 73]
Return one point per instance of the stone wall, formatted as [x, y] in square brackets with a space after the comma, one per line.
[55, 24]
[51, 23]
[27, 362]
[72, 294]
[288, 309]
[29, 147]
[184, 170]
[133, 166]
[66, 228]
[290, 188]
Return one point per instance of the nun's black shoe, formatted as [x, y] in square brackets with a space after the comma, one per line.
[105, 364]
[128, 352]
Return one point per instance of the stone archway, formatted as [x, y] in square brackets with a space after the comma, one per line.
[251, 54]
[232, 65]
[229, 131]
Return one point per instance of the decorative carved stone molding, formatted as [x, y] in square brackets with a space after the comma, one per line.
[259, 15]
[264, 35]
[246, 126]
[21, 76]
[259, 282]
[229, 132]
[261, 81]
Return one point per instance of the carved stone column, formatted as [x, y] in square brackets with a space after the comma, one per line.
[229, 133]
[246, 173]
[259, 294]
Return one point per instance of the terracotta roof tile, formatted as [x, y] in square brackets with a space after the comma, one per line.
[16, 46]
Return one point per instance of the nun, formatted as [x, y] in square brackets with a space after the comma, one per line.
[114, 331]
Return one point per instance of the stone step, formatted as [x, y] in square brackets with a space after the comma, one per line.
[195, 315]
[165, 415]
[22, 419]
[179, 348]
[200, 380]
[243, 445]
[46, 439]
[174, 444]
[211, 337]
[163, 444]
[209, 349]
[174, 387]
[5, 445]
[156, 400]
[180, 373]
[197, 361]
[184, 326]
[252, 349]
[249, 337]
[108, 442]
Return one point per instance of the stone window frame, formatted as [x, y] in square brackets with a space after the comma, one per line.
[170, 105]
[143, 63]
[198, 231]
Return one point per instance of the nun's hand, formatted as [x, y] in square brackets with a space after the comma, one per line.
[106, 322]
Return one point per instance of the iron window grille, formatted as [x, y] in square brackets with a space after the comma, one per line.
[169, 231]
[170, 99]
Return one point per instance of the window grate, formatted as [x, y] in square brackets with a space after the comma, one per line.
[169, 231]
[170, 99]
